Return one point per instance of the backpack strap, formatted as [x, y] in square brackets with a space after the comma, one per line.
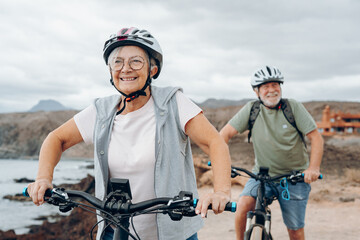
[254, 112]
[288, 113]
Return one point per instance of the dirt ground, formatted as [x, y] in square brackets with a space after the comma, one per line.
[334, 202]
[331, 220]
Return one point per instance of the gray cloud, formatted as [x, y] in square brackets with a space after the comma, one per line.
[54, 49]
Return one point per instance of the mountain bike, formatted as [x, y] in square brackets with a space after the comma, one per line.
[258, 222]
[118, 210]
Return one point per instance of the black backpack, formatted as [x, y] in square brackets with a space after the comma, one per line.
[285, 107]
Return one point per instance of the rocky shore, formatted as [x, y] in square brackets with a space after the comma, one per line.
[75, 226]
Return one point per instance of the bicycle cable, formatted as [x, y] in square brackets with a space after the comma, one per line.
[93, 227]
[83, 206]
[133, 226]
[111, 221]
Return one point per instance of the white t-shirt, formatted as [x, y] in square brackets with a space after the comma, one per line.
[132, 151]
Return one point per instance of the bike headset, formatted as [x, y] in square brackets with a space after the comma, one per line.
[264, 75]
[140, 38]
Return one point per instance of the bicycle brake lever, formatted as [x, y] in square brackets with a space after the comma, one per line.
[183, 197]
[175, 216]
[60, 198]
[181, 205]
[178, 201]
[60, 194]
[65, 207]
[57, 196]
[183, 210]
[296, 177]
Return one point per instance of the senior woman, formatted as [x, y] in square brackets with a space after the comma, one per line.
[142, 134]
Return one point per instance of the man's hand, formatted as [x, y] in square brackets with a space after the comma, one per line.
[311, 175]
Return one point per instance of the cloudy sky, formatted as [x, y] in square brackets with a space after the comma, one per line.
[53, 49]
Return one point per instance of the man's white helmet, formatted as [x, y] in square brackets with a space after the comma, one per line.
[266, 74]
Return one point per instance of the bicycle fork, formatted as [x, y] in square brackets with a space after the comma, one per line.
[259, 218]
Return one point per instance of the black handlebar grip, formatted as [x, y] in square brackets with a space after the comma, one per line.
[230, 206]
[26, 194]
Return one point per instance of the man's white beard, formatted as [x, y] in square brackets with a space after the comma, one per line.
[272, 104]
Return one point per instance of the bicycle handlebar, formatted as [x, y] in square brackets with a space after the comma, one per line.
[127, 207]
[291, 176]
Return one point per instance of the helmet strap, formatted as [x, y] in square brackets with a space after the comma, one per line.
[132, 96]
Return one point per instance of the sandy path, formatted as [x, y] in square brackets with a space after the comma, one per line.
[324, 220]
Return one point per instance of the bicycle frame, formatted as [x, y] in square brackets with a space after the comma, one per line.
[262, 213]
[261, 216]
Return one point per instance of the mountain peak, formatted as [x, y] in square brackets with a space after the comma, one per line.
[48, 106]
[217, 103]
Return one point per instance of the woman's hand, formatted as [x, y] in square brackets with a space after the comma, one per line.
[37, 190]
[218, 200]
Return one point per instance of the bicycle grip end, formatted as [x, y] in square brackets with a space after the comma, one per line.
[230, 206]
[25, 192]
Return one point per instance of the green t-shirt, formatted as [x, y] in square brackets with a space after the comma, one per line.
[277, 144]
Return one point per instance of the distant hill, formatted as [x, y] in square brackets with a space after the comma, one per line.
[48, 106]
[219, 103]
[21, 134]
[220, 116]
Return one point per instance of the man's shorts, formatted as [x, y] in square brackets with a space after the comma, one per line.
[293, 210]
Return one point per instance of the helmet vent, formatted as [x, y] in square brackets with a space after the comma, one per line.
[269, 70]
[124, 30]
[266, 74]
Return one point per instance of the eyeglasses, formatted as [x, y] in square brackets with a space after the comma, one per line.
[135, 63]
[285, 193]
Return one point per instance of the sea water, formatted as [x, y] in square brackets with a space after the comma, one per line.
[19, 215]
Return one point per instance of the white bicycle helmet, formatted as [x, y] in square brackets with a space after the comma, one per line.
[266, 74]
[140, 38]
